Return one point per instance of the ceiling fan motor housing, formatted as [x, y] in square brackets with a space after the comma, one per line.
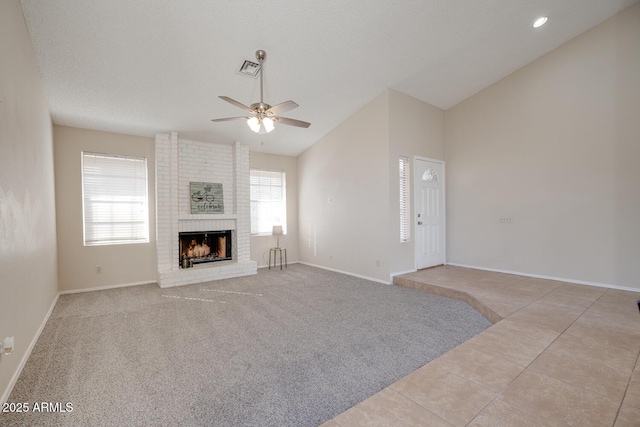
[260, 107]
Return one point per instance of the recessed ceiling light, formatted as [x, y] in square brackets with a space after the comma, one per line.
[540, 22]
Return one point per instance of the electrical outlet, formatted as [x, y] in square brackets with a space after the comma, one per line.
[7, 345]
[506, 220]
[98, 269]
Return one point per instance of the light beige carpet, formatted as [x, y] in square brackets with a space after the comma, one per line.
[282, 348]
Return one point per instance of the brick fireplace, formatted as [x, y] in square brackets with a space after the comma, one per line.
[180, 162]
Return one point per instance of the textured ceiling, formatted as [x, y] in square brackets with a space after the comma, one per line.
[147, 66]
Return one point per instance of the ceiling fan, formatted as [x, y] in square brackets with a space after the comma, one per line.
[262, 117]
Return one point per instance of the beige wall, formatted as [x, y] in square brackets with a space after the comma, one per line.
[415, 129]
[344, 195]
[28, 277]
[555, 146]
[121, 264]
[356, 165]
[260, 245]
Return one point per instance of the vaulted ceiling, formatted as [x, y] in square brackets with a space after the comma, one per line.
[147, 66]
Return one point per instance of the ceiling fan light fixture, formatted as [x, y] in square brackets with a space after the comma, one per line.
[254, 124]
[263, 126]
[268, 124]
[263, 116]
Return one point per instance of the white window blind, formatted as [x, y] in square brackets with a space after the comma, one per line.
[115, 204]
[268, 200]
[404, 199]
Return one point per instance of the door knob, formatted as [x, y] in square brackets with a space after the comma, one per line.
[419, 222]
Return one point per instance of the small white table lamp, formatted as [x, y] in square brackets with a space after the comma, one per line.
[277, 231]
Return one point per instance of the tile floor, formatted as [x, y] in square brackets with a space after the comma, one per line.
[558, 354]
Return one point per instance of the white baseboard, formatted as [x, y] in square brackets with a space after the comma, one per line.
[541, 276]
[102, 288]
[266, 266]
[345, 272]
[25, 357]
[398, 273]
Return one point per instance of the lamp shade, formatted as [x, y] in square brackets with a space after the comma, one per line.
[277, 230]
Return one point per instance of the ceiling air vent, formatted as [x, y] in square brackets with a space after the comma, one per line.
[249, 68]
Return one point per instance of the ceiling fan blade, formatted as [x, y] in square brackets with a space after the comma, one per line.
[281, 108]
[291, 122]
[236, 103]
[227, 119]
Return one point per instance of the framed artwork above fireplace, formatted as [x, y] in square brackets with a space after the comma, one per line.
[206, 197]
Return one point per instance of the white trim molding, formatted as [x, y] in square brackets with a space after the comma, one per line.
[398, 273]
[541, 276]
[267, 266]
[23, 361]
[102, 288]
[345, 272]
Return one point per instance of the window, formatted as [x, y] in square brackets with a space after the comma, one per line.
[114, 199]
[430, 175]
[404, 199]
[268, 200]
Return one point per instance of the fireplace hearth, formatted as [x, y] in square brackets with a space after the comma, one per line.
[205, 246]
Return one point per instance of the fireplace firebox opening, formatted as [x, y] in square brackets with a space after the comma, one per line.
[205, 246]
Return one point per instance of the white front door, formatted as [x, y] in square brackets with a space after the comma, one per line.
[429, 215]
